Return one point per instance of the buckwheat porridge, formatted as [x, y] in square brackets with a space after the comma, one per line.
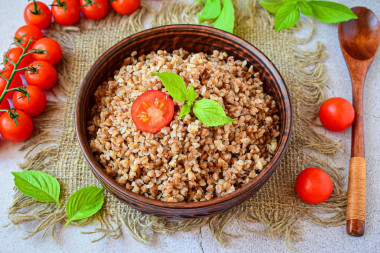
[186, 160]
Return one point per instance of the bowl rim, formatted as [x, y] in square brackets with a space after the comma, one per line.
[117, 189]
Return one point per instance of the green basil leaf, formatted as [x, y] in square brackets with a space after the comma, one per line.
[191, 95]
[210, 11]
[84, 203]
[287, 16]
[185, 109]
[174, 84]
[38, 185]
[210, 113]
[306, 8]
[330, 12]
[226, 19]
[272, 6]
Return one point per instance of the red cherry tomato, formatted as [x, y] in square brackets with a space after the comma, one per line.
[32, 104]
[152, 110]
[314, 186]
[16, 133]
[53, 49]
[94, 9]
[336, 114]
[24, 33]
[38, 14]
[42, 75]
[4, 106]
[125, 7]
[16, 82]
[65, 12]
[13, 55]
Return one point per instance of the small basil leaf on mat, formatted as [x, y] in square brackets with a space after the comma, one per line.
[272, 6]
[191, 95]
[38, 185]
[84, 203]
[226, 19]
[329, 12]
[287, 16]
[185, 109]
[174, 84]
[210, 113]
[210, 11]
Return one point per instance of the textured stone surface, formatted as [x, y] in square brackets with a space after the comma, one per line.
[316, 239]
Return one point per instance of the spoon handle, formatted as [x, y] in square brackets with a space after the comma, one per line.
[356, 199]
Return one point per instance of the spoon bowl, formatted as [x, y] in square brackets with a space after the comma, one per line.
[359, 40]
[360, 37]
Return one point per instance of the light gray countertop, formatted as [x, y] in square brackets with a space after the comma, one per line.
[316, 238]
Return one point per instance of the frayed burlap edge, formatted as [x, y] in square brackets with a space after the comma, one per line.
[310, 76]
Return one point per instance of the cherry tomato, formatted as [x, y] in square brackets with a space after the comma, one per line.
[42, 75]
[16, 133]
[125, 7]
[53, 49]
[13, 55]
[94, 9]
[38, 14]
[24, 33]
[16, 82]
[314, 186]
[336, 114]
[152, 110]
[65, 12]
[32, 104]
[4, 106]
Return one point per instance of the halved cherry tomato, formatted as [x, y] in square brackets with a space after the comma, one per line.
[336, 114]
[42, 75]
[38, 14]
[16, 133]
[65, 12]
[94, 9]
[13, 55]
[53, 49]
[314, 186]
[16, 82]
[152, 110]
[125, 7]
[24, 33]
[32, 104]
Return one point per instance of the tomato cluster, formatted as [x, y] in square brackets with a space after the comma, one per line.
[38, 55]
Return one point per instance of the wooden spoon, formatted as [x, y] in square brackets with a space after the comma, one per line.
[359, 40]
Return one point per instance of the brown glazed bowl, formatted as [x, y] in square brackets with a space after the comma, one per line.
[193, 38]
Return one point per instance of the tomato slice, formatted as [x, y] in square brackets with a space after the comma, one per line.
[152, 110]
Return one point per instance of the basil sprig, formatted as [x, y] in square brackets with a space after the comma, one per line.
[44, 187]
[208, 111]
[223, 17]
[288, 11]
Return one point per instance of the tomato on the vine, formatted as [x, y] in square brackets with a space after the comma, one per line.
[314, 186]
[15, 83]
[16, 132]
[94, 9]
[33, 103]
[24, 33]
[13, 55]
[41, 74]
[152, 110]
[65, 12]
[53, 51]
[125, 7]
[38, 14]
[4, 105]
[336, 114]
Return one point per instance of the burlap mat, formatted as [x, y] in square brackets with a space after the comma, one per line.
[276, 204]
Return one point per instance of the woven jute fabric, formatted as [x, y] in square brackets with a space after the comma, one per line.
[54, 149]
